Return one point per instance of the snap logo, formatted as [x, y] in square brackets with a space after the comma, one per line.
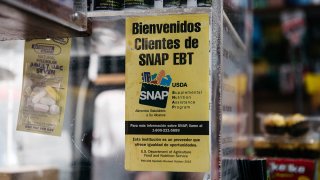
[155, 89]
[153, 95]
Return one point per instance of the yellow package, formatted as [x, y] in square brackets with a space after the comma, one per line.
[45, 82]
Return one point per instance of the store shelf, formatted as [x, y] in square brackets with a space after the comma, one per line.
[233, 32]
[149, 12]
[23, 19]
[166, 11]
[157, 12]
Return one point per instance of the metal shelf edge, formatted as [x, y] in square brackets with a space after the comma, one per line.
[149, 12]
[233, 32]
[45, 15]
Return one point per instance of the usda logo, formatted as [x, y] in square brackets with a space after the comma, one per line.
[155, 89]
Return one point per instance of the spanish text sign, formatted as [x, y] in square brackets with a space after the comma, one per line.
[167, 93]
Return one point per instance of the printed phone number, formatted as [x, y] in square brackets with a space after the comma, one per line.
[165, 130]
[39, 128]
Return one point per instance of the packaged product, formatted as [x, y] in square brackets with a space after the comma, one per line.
[45, 82]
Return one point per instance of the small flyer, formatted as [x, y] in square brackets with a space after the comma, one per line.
[44, 88]
[167, 93]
